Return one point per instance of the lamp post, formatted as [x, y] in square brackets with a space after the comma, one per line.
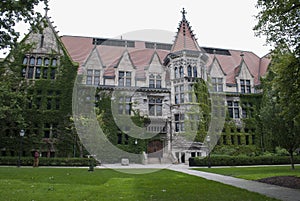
[22, 133]
[208, 148]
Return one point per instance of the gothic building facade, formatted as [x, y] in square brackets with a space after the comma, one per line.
[161, 75]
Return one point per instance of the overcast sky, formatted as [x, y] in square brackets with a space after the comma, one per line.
[216, 23]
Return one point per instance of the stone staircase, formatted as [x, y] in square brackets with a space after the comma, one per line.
[167, 158]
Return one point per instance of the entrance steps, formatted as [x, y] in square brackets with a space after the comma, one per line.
[167, 158]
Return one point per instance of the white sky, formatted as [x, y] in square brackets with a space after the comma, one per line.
[216, 23]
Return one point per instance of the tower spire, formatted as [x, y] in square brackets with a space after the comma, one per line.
[185, 39]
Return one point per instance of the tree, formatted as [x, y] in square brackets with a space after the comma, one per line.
[13, 12]
[280, 112]
[279, 21]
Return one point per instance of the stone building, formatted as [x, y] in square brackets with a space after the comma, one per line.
[160, 77]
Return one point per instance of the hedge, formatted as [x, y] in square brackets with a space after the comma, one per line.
[242, 160]
[28, 161]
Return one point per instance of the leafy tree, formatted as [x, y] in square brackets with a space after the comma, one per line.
[12, 12]
[12, 99]
[279, 21]
[280, 111]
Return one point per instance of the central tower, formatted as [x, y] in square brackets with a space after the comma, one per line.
[186, 65]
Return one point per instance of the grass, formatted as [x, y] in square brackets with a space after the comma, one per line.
[105, 184]
[254, 173]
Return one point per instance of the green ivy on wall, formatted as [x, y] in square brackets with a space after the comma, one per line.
[45, 110]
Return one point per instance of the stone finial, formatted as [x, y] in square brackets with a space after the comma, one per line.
[46, 10]
[183, 13]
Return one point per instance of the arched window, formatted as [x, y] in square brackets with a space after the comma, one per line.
[181, 71]
[32, 61]
[39, 61]
[46, 61]
[176, 72]
[54, 62]
[195, 71]
[25, 60]
[189, 70]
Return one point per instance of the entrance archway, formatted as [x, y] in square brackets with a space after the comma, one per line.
[155, 148]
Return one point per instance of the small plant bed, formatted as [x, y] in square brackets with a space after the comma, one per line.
[276, 175]
[285, 181]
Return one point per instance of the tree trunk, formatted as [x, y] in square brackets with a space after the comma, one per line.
[292, 160]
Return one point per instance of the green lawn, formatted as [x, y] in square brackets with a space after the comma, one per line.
[254, 173]
[104, 184]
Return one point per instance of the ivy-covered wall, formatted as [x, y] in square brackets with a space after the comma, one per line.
[47, 109]
[244, 137]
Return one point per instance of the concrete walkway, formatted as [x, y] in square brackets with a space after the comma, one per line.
[281, 193]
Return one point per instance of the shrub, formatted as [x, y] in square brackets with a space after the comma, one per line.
[232, 150]
[242, 160]
[28, 161]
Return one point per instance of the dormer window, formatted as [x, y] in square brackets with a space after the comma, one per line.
[154, 81]
[124, 78]
[93, 77]
[217, 84]
[245, 86]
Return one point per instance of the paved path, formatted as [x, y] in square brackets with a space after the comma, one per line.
[281, 193]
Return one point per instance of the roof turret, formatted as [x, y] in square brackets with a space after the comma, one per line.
[185, 39]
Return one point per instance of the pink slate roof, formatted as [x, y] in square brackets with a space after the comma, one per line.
[230, 64]
[79, 49]
[185, 39]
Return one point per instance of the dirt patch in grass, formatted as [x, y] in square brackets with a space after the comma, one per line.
[285, 181]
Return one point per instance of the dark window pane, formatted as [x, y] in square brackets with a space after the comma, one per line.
[30, 72]
[158, 84]
[37, 72]
[39, 61]
[25, 60]
[52, 75]
[46, 62]
[54, 62]
[45, 73]
[32, 61]
[23, 72]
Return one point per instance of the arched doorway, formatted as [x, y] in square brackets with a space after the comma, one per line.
[155, 148]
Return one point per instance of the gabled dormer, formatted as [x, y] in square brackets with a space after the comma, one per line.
[244, 78]
[155, 73]
[93, 69]
[217, 76]
[125, 71]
